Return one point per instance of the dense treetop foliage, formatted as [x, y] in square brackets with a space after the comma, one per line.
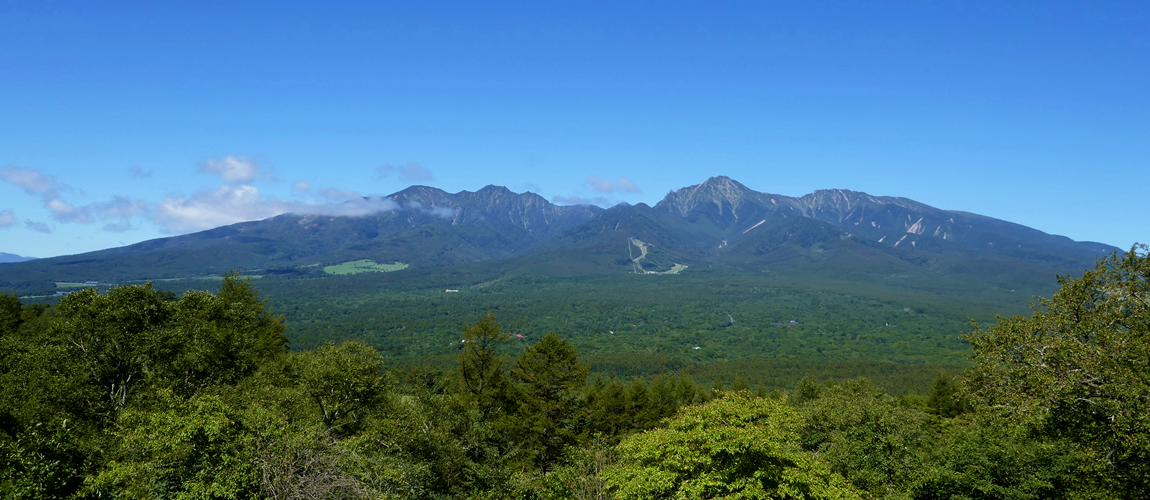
[737, 446]
[1079, 368]
[138, 393]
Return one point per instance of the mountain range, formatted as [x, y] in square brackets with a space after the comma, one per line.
[840, 233]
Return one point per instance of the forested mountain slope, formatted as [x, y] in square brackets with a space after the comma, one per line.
[419, 226]
[846, 234]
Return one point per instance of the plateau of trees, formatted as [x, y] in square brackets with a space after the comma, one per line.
[138, 393]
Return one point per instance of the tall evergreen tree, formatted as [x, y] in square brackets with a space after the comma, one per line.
[482, 371]
[549, 376]
[606, 408]
[10, 310]
[945, 398]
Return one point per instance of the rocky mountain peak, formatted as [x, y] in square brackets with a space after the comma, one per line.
[425, 195]
[493, 190]
[725, 193]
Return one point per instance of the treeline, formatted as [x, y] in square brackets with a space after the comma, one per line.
[138, 393]
[897, 379]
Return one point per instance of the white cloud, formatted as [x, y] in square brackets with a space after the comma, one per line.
[39, 227]
[31, 181]
[234, 169]
[600, 184]
[352, 208]
[624, 184]
[204, 209]
[606, 186]
[36, 183]
[63, 211]
[225, 205]
[59, 207]
[578, 200]
[444, 212]
[118, 227]
[7, 218]
[213, 208]
[120, 207]
[412, 172]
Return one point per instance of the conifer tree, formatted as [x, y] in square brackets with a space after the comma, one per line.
[549, 376]
[482, 370]
[945, 398]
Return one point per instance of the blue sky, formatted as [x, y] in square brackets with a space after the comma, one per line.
[142, 120]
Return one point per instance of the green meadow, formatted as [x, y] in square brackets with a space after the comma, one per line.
[363, 266]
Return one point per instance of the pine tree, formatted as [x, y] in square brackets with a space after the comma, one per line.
[945, 398]
[481, 368]
[549, 377]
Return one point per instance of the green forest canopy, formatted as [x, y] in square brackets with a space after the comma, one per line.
[138, 393]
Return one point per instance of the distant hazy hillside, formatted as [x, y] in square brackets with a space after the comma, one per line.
[845, 234]
[11, 257]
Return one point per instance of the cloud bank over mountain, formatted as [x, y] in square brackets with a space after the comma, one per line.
[208, 208]
[236, 201]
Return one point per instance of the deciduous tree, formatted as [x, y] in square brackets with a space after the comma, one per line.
[1079, 367]
[875, 442]
[737, 446]
[344, 383]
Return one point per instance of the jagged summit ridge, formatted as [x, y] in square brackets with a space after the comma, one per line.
[890, 221]
[726, 194]
[495, 204]
[842, 205]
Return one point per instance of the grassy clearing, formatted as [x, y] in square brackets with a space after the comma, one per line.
[674, 270]
[73, 284]
[363, 266]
